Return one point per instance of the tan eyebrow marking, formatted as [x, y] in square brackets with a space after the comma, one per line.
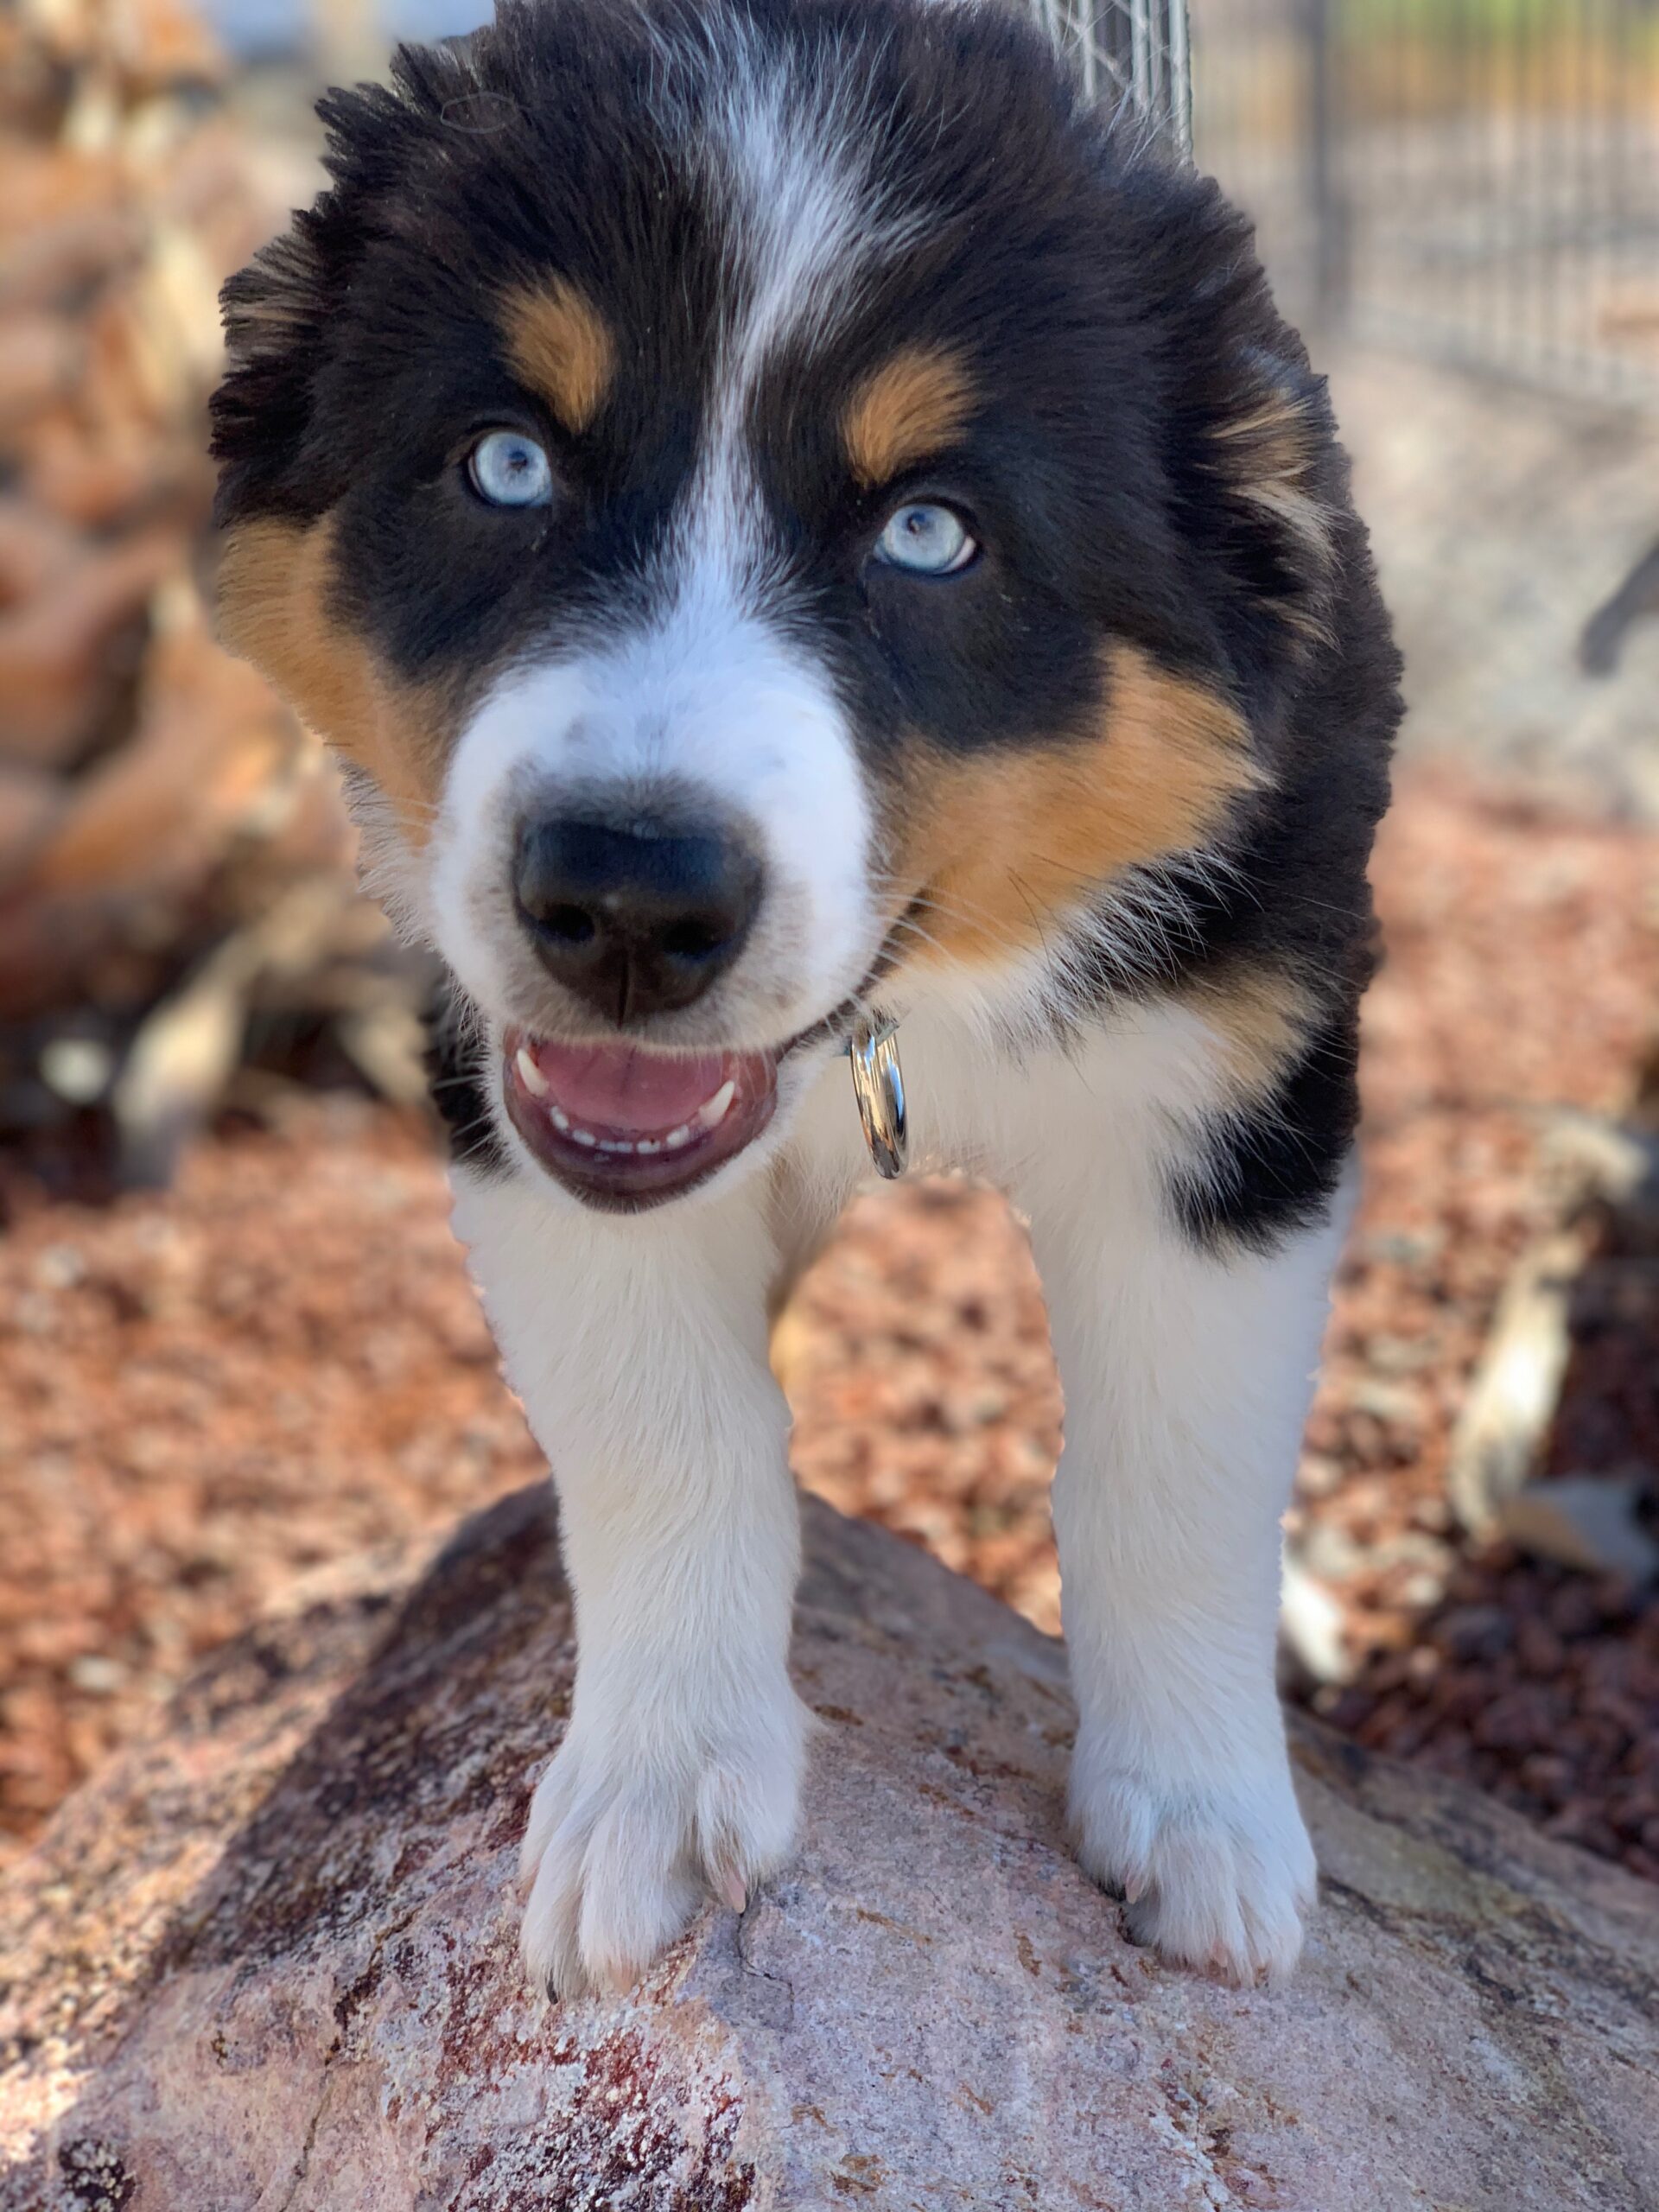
[558, 344]
[906, 409]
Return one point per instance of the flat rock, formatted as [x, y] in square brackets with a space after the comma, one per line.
[266, 1962]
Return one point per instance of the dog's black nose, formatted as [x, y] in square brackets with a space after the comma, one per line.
[635, 918]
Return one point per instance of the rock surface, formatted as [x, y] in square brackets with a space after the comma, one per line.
[268, 1960]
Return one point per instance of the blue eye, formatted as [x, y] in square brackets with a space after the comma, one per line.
[511, 470]
[925, 539]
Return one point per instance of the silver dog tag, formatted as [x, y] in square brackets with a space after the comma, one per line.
[879, 1086]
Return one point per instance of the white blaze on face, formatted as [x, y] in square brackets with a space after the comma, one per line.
[709, 699]
[787, 162]
[713, 707]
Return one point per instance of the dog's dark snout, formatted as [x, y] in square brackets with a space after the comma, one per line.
[635, 918]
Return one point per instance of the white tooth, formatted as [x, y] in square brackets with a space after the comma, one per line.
[529, 1074]
[676, 1137]
[560, 1120]
[713, 1111]
[587, 1137]
[648, 1144]
[614, 1144]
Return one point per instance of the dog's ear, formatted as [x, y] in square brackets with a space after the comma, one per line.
[1266, 449]
[275, 316]
[279, 310]
[1259, 479]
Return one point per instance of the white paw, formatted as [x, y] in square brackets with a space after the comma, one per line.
[627, 1836]
[1220, 1875]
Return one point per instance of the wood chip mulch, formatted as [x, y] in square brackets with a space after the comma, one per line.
[206, 1392]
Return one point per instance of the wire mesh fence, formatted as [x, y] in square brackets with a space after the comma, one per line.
[1477, 180]
[1133, 51]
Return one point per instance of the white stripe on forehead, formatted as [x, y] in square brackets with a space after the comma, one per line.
[785, 158]
[803, 212]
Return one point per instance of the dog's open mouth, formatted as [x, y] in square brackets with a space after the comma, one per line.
[622, 1127]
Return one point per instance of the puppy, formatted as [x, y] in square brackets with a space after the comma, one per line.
[785, 512]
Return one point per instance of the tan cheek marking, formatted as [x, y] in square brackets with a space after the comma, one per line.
[1006, 845]
[273, 596]
[908, 410]
[559, 346]
[1260, 1019]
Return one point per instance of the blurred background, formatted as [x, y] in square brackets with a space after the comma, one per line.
[235, 1336]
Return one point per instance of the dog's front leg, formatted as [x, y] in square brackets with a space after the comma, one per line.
[1187, 1374]
[638, 1347]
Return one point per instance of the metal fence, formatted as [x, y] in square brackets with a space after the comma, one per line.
[1130, 51]
[1477, 180]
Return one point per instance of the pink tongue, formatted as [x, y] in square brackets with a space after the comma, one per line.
[619, 1087]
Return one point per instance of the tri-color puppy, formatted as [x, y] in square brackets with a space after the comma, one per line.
[784, 509]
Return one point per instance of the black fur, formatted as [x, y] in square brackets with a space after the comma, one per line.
[1261, 1174]
[1118, 329]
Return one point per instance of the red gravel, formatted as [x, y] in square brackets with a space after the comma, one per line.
[1523, 974]
[205, 1392]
